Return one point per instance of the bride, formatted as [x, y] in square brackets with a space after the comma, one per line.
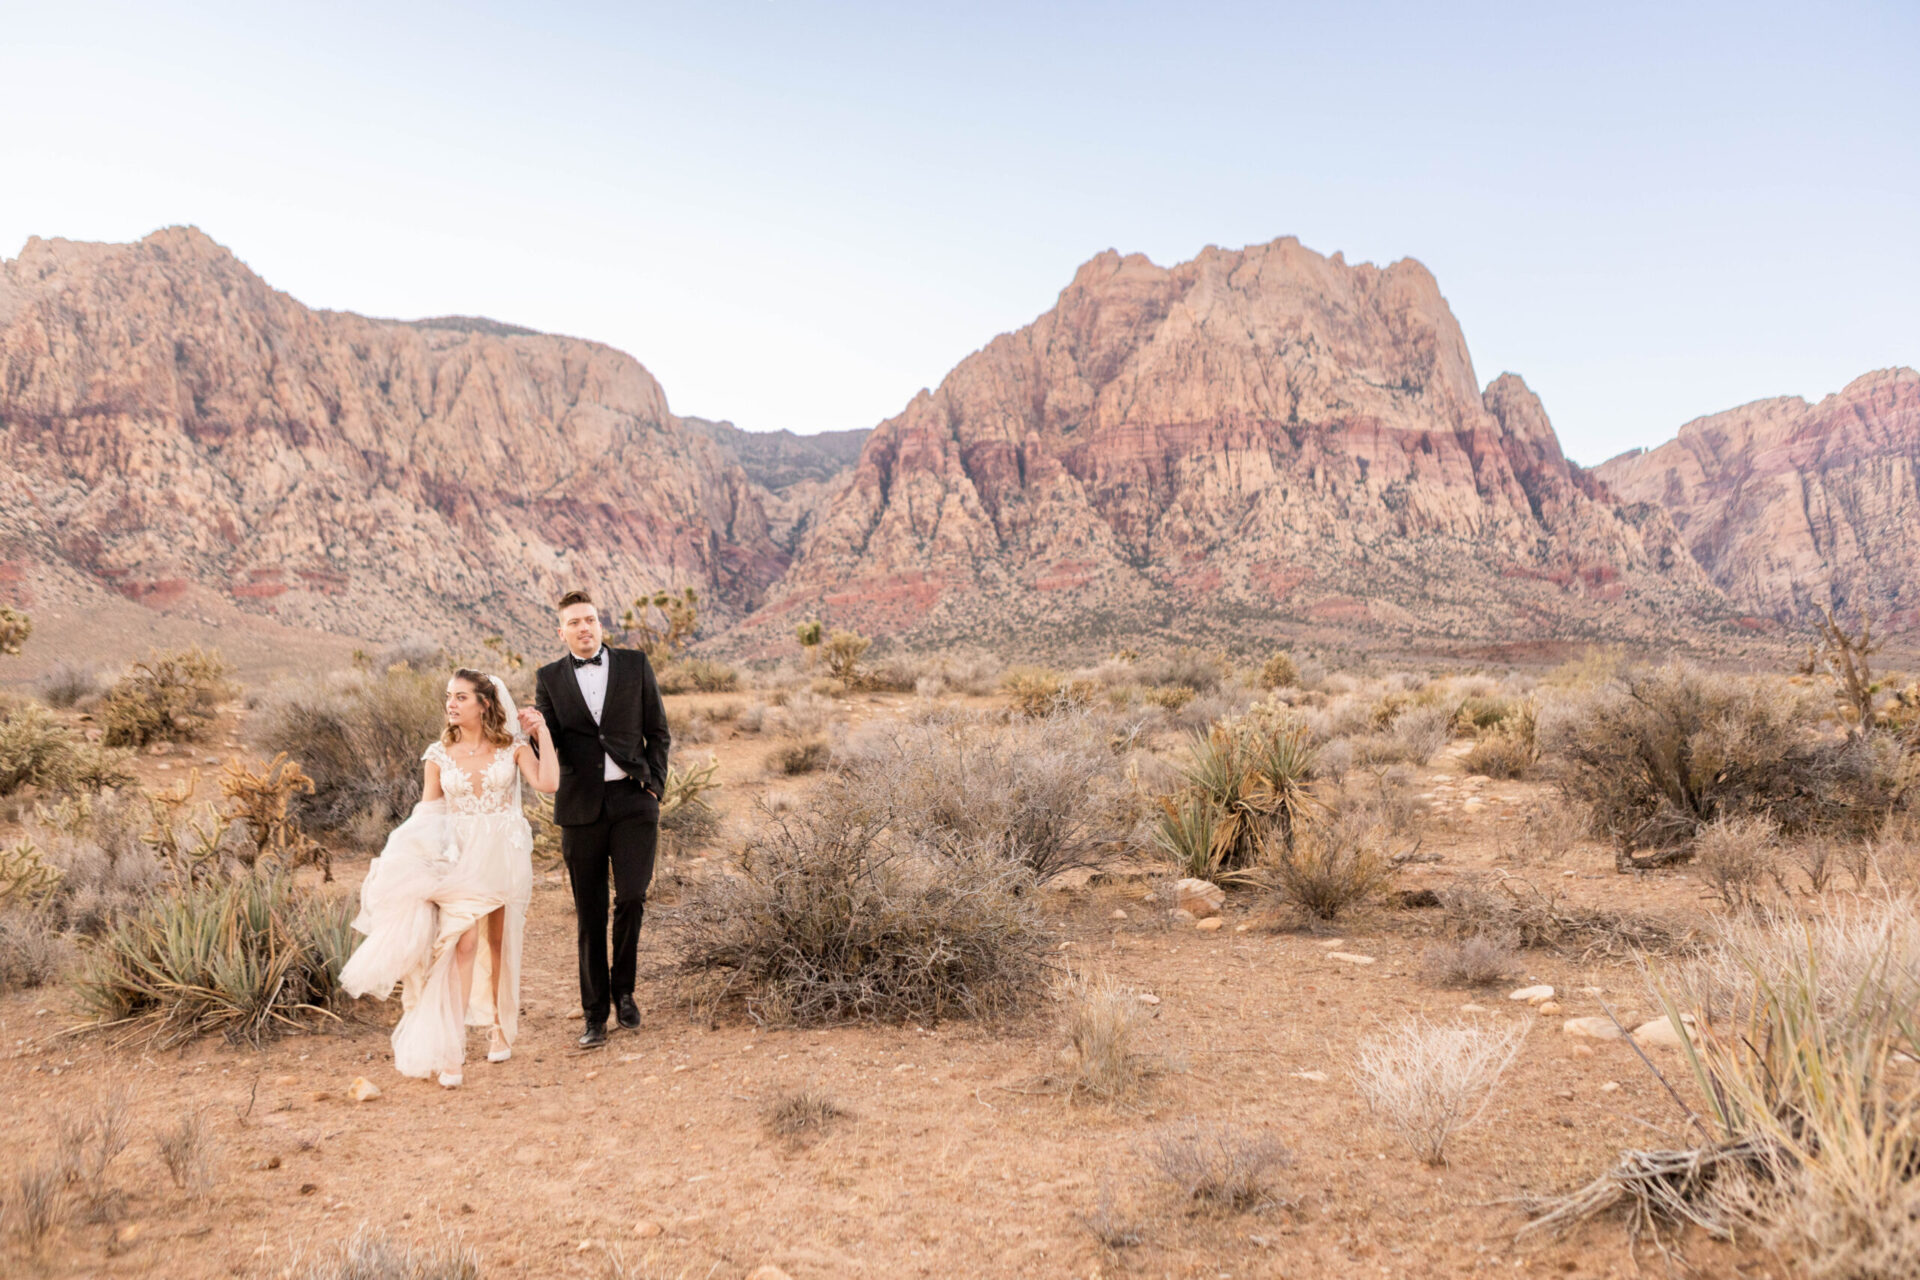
[444, 906]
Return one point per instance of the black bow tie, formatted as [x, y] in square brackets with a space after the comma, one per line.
[594, 661]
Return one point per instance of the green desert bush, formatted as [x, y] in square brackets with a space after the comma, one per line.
[358, 735]
[837, 916]
[171, 697]
[243, 956]
[1279, 672]
[37, 751]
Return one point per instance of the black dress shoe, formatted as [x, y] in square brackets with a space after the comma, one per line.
[594, 1036]
[629, 1013]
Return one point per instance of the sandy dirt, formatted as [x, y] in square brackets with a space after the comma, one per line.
[953, 1158]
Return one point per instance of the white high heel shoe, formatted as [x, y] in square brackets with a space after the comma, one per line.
[501, 1054]
[451, 1079]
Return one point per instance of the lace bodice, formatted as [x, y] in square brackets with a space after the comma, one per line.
[490, 790]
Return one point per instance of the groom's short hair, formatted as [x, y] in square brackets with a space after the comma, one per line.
[573, 597]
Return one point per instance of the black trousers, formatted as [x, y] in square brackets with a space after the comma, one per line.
[623, 838]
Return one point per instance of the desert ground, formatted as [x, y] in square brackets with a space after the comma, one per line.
[957, 1147]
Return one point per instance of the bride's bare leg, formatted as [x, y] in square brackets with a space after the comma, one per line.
[496, 923]
[463, 954]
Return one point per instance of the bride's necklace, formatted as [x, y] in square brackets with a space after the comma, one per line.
[465, 756]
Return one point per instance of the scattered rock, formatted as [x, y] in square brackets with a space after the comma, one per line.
[1532, 995]
[647, 1229]
[1583, 1051]
[1334, 942]
[1182, 914]
[1147, 999]
[1209, 925]
[308, 1188]
[1595, 1028]
[1478, 779]
[1349, 957]
[1660, 1033]
[363, 1089]
[284, 1081]
[1611, 1086]
[1547, 1008]
[1473, 1008]
[1118, 914]
[1202, 897]
[1318, 1077]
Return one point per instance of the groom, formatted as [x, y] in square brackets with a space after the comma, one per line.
[610, 730]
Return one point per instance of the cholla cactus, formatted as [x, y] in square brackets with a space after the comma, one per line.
[15, 627]
[26, 877]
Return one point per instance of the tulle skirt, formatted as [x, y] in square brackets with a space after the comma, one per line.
[440, 875]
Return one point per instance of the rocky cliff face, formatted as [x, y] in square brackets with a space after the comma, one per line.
[1252, 440]
[1791, 506]
[172, 426]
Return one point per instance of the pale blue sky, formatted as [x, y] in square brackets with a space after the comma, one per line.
[797, 215]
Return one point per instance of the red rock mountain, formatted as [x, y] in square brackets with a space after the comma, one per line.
[1251, 441]
[1791, 506]
[172, 426]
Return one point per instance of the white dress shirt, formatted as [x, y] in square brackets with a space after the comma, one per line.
[592, 680]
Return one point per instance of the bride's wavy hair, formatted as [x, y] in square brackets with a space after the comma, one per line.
[493, 716]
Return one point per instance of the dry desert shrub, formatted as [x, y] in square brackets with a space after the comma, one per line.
[370, 1255]
[1510, 906]
[1330, 868]
[805, 715]
[1427, 1081]
[1103, 1024]
[91, 1138]
[171, 697]
[1418, 732]
[1187, 667]
[1047, 792]
[104, 866]
[37, 751]
[244, 955]
[1245, 795]
[840, 914]
[1739, 858]
[189, 1153]
[1476, 961]
[69, 683]
[1510, 747]
[1219, 1166]
[1657, 755]
[33, 951]
[1036, 692]
[810, 755]
[36, 1206]
[696, 675]
[358, 735]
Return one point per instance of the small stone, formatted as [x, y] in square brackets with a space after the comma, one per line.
[363, 1089]
[272, 1162]
[647, 1229]
[1242, 928]
[1660, 1033]
[1472, 804]
[1318, 1077]
[1146, 999]
[1118, 914]
[1473, 1008]
[591, 1075]
[284, 1081]
[1349, 957]
[1595, 1028]
[1583, 1051]
[1547, 1008]
[1182, 914]
[308, 1188]
[1532, 995]
[1201, 897]
[1334, 942]
[1611, 1086]
[1209, 925]
[1478, 779]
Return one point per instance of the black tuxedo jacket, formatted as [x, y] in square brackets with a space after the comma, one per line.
[632, 729]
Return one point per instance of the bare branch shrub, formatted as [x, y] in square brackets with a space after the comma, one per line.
[1739, 858]
[839, 914]
[1428, 1081]
[800, 1114]
[1477, 961]
[809, 755]
[68, 683]
[358, 735]
[1219, 1166]
[1331, 868]
[187, 1149]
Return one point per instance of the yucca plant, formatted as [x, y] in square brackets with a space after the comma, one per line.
[238, 956]
[1250, 779]
[1185, 833]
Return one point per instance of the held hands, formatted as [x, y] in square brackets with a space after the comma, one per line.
[532, 723]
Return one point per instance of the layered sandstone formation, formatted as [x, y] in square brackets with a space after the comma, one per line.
[173, 427]
[1792, 507]
[1254, 440]
[798, 475]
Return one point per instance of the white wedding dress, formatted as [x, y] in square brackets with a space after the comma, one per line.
[443, 871]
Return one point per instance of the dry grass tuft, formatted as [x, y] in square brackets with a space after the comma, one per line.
[1331, 869]
[1477, 961]
[1427, 1081]
[1739, 858]
[807, 756]
[801, 1114]
[1219, 1166]
[371, 1255]
[1103, 1023]
[188, 1152]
